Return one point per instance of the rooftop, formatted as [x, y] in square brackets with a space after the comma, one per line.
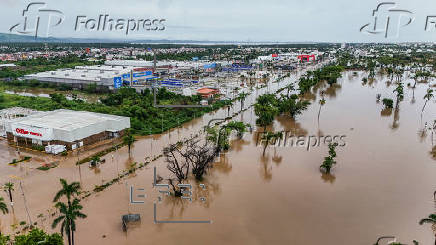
[66, 119]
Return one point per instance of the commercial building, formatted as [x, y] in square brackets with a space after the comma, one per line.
[105, 77]
[82, 76]
[65, 127]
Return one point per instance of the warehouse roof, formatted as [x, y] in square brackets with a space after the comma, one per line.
[66, 119]
[80, 74]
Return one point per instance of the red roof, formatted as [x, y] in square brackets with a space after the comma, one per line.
[206, 90]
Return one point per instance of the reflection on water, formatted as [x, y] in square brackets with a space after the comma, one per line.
[265, 168]
[328, 178]
[332, 91]
[396, 118]
[386, 112]
[433, 153]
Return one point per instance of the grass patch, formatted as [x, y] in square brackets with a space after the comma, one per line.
[15, 161]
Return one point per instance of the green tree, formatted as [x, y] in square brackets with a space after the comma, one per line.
[129, 139]
[3, 206]
[4, 240]
[399, 90]
[37, 236]
[292, 105]
[270, 138]
[68, 213]
[289, 88]
[9, 187]
[388, 103]
[427, 97]
[68, 190]
[67, 210]
[265, 110]
[241, 99]
[221, 137]
[430, 220]
[329, 160]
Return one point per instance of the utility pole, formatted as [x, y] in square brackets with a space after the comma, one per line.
[25, 203]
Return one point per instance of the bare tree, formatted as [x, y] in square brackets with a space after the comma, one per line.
[177, 166]
[184, 156]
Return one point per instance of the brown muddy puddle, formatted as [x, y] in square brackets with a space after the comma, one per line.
[383, 182]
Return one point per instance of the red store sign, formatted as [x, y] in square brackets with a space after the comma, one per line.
[23, 131]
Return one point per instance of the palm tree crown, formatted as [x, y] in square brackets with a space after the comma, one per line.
[3, 206]
[67, 190]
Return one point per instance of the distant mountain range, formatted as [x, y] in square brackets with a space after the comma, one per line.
[14, 38]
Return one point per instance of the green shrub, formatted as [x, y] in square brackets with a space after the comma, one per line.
[388, 103]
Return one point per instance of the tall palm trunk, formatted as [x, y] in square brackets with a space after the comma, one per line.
[10, 195]
[424, 106]
[72, 237]
[319, 113]
[69, 235]
[264, 148]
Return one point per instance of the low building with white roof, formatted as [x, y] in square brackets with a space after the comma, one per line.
[65, 127]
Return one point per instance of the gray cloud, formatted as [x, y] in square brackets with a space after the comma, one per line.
[242, 20]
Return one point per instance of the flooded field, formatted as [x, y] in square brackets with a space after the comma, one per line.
[45, 93]
[383, 182]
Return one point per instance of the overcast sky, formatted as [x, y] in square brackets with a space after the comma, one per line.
[239, 20]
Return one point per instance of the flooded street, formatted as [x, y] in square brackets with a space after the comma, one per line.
[382, 184]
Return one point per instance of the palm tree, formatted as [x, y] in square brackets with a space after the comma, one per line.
[416, 77]
[3, 206]
[128, 139]
[289, 89]
[9, 187]
[399, 90]
[430, 220]
[427, 97]
[68, 215]
[270, 137]
[68, 190]
[321, 103]
[241, 98]
[221, 136]
[265, 109]
[329, 160]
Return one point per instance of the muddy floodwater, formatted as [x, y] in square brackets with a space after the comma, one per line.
[382, 184]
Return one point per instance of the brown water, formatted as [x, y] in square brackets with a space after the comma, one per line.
[45, 93]
[383, 182]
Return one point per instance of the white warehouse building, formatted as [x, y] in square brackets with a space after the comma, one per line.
[65, 127]
[81, 76]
